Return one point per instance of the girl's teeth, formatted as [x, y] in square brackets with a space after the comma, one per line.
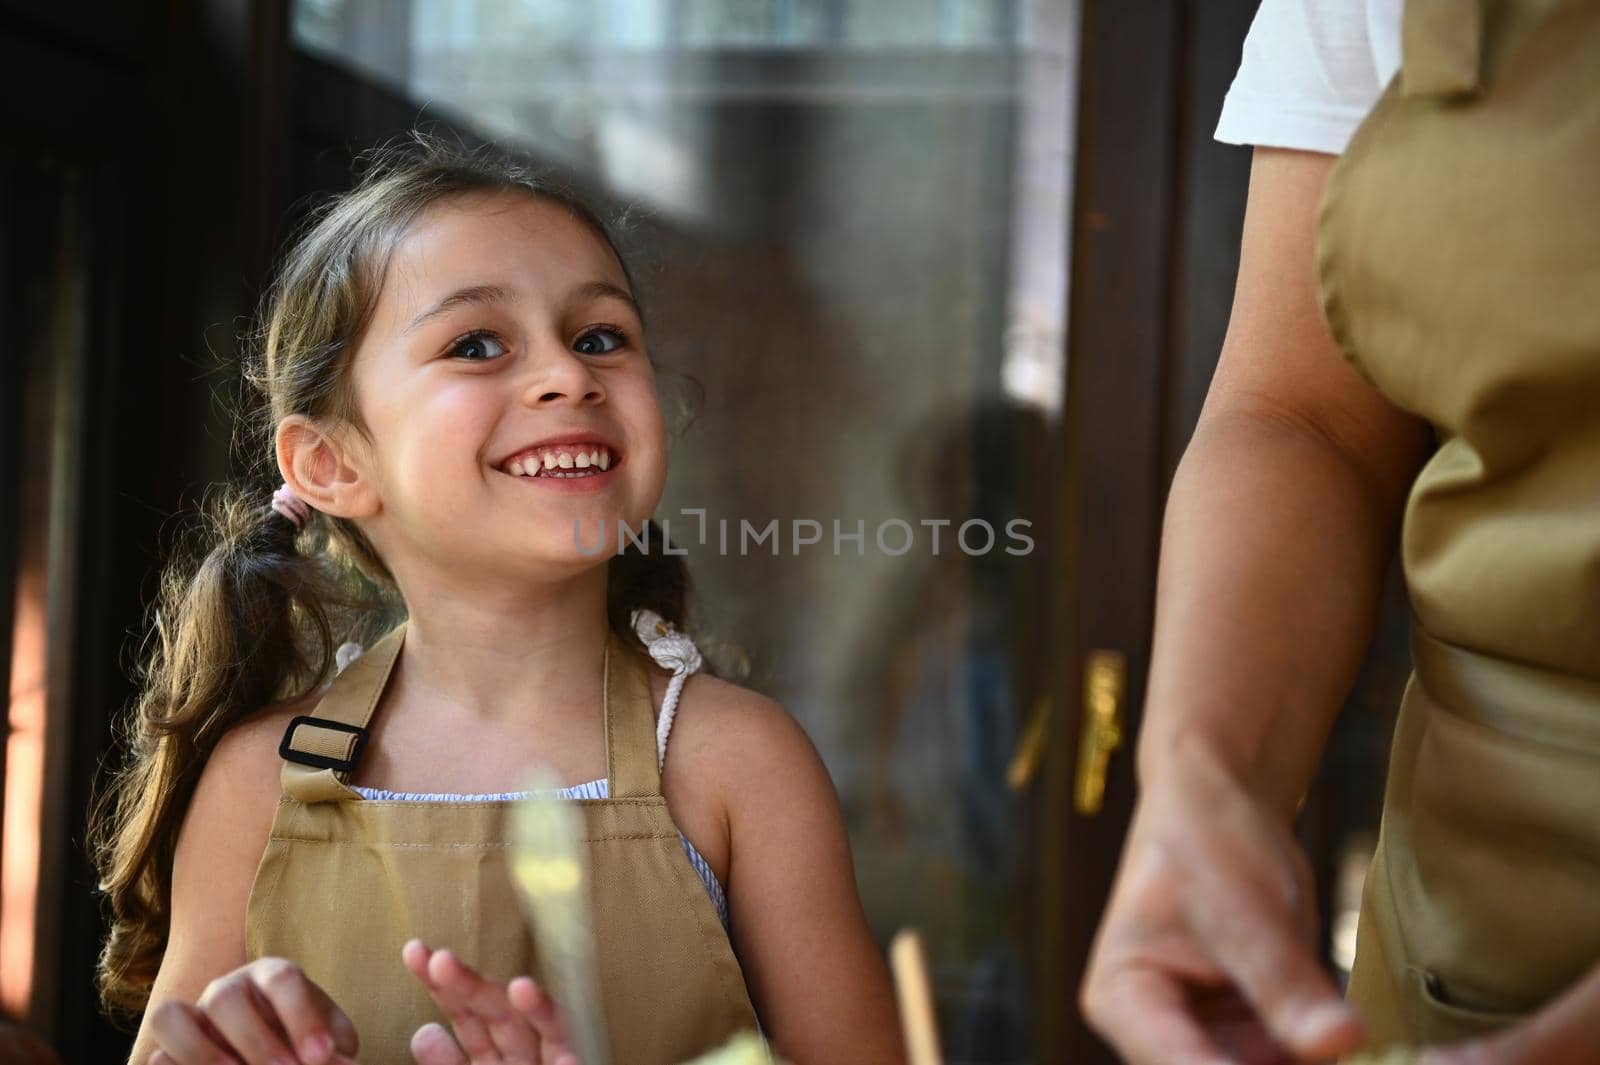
[550, 463]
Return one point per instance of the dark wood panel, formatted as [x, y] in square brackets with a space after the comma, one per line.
[1117, 352]
[110, 36]
[167, 117]
[1159, 207]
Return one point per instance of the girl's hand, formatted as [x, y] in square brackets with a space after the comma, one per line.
[511, 1025]
[265, 1013]
[1205, 954]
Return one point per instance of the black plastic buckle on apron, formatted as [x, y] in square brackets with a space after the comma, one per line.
[1441, 46]
[343, 766]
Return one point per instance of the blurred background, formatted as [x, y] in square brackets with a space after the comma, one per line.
[906, 259]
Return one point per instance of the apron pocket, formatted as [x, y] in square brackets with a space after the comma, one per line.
[1492, 858]
[1441, 1019]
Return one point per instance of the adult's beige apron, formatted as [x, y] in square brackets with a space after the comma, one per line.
[1460, 262]
[346, 881]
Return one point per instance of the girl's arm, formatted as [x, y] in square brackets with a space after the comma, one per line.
[224, 834]
[815, 975]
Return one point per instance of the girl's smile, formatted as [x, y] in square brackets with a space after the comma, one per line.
[580, 462]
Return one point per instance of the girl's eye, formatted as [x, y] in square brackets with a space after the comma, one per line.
[477, 347]
[601, 341]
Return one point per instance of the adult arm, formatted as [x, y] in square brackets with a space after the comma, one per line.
[1280, 525]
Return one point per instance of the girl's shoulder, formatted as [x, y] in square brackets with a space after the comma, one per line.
[250, 747]
[733, 737]
[734, 762]
[717, 707]
[241, 779]
[710, 713]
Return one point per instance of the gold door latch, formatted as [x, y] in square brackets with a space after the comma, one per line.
[1105, 681]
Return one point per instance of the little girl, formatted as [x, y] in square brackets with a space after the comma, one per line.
[300, 870]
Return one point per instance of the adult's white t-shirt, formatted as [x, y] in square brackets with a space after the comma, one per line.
[1310, 72]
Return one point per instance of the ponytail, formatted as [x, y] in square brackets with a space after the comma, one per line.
[244, 619]
[647, 578]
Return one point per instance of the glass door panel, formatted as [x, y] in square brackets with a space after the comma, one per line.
[848, 222]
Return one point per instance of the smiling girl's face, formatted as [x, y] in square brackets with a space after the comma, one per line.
[507, 393]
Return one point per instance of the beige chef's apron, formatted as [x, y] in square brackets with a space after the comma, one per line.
[1460, 264]
[346, 881]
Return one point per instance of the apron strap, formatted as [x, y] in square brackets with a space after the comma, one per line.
[1441, 47]
[631, 758]
[321, 749]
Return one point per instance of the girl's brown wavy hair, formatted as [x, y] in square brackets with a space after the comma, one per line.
[250, 610]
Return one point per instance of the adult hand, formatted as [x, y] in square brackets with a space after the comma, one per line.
[1205, 954]
[254, 1015]
[491, 1024]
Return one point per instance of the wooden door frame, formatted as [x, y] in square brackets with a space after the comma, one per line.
[1117, 345]
[1157, 212]
[169, 115]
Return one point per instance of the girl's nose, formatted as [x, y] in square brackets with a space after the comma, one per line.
[562, 376]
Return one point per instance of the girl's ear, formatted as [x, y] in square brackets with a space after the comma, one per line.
[322, 470]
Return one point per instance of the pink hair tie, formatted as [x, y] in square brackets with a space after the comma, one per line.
[291, 506]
